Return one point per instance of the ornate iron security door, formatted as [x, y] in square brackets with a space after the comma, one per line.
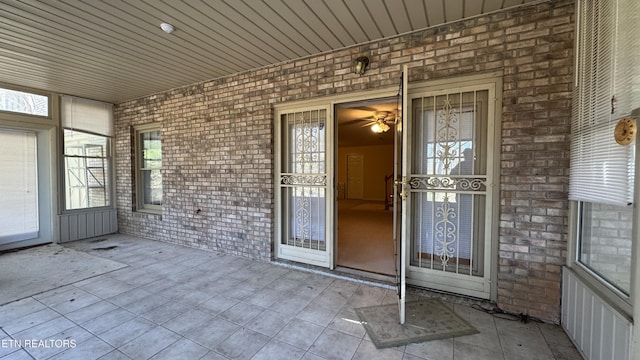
[301, 202]
[450, 186]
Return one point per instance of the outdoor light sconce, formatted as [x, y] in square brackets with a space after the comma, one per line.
[361, 65]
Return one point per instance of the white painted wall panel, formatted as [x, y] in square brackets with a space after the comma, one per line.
[596, 328]
[595, 348]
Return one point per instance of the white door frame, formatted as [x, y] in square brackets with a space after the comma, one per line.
[400, 194]
[317, 180]
[47, 185]
[330, 257]
[329, 103]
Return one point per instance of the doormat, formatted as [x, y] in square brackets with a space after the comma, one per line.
[425, 320]
[38, 269]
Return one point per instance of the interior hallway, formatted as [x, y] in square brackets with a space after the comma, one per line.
[365, 236]
[173, 302]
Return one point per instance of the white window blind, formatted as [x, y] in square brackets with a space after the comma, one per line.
[87, 115]
[601, 170]
[18, 186]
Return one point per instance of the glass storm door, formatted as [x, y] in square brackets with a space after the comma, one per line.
[301, 202]
[448, 180]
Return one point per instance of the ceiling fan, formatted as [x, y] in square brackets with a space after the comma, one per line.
[379, 123]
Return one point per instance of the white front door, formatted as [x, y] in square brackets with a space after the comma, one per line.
[304, 193]
[449, 178]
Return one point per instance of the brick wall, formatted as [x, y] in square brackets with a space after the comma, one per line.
[218, 141]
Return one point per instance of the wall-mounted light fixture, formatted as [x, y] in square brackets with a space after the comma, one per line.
[360, 65]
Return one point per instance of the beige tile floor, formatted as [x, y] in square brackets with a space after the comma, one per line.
[174, 302]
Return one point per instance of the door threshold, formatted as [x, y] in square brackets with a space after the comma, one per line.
[366, 274]
[361, 277]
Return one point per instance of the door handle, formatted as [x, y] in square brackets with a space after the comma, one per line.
[403, 186]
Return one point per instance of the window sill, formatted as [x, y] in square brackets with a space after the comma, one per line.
[88, 210]
[156, 213]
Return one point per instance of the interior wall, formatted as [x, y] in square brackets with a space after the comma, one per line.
[217, 139]
[378, 162]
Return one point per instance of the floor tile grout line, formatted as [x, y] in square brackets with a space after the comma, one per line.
[22, 348]
[546, 341]
[334, 286]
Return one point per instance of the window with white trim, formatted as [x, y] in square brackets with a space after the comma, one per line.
[87, 132]
[602, 174]
[149, 168]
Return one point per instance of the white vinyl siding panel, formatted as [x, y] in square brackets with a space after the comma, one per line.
[114, 50]
[598, 330]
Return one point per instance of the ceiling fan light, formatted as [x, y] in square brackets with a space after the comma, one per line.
[376, 128]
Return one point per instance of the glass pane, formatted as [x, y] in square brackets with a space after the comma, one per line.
[445, 133]
[78, 143]
[23, 102]
[305, 132]
[152, 187]
[151, 150]
[87, 182]
[444, 236]
[86, 170]
[605, 242]
[18, 186]
[304, 156]
[449, 145]
[307, 220]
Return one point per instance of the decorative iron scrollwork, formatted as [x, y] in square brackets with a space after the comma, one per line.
[447, 183]
[302, 223]
[471, 184]
[447, 134]
[319, 180]
[446, 232]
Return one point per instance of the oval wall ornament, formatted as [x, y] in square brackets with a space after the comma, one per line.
[625, 131]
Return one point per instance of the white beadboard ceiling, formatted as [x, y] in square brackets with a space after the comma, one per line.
[114, 50]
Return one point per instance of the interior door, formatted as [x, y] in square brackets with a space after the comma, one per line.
[302, 209]
[400, 197]
[355, 175]
[448, 166]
